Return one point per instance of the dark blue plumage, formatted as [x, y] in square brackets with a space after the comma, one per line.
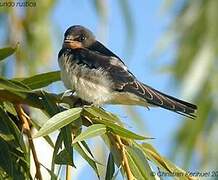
[99, 76]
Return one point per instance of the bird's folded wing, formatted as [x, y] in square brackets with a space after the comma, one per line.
[112, 66]
[124, 81]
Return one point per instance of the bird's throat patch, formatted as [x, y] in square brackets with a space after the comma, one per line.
[72, 44]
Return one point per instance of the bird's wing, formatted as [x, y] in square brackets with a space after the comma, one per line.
[100, 48]
[124, 81]
[113, 66]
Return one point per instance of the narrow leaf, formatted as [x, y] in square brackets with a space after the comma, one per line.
[10, 108]
[99, 116]
[67, 137]
[58, 121]
[110, 167]
[6, 159]
[99, 112]
[12, 85]
[91, 131]
[12, 127]
[37, 126]
[7, 51]
[49, 104]
[138, 164]
[83, 149]
[64, 157]
[53, 176]
[30, 98]
[41, 80]
[162, 162]
[126, 133]
[58, 144]
[83, 145]
[154, 155]
[121, 131]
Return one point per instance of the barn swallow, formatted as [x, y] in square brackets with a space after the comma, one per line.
[99, 76]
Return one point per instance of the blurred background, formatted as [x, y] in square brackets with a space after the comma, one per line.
[169, 45]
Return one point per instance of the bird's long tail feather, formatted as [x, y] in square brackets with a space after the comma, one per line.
[165, 101]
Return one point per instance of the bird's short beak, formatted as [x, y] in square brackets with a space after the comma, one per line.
[69, 43]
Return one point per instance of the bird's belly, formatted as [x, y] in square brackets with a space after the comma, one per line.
[91, 85]
[92, 92]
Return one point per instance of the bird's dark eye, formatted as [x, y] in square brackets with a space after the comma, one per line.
[81, 38]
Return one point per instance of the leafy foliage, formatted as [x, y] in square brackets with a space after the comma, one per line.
[195, 66]
[74, 126]
[7, 51]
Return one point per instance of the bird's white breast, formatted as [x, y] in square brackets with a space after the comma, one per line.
[91, 85]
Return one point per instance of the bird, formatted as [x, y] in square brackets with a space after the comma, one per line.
[98, 76]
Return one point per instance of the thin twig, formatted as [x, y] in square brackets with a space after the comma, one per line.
[25, 120]
[68, 172]
[125, 163]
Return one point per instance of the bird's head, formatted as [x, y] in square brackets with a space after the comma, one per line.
[78, 37]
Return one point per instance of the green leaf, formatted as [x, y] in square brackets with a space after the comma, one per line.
[6, 137]
[99, 112]
[91, 131]
[41, 80]
[7, 51]
[65, 158]
[12, 127]
[6, 159]
[37, 126]
[21, 160]
[58, 121]
[58, 144]
[125, 133]
[10, 108]
[49, 104]
[11, 136]
[162, 162]
[121, 131]
[138, 164]
[104, 118]
[13, 85]
[52, 174]
[83, 149]
[154, 156]
[30, 98]
[5, 133]
[110, 167]
[67, 137]
[20, 84]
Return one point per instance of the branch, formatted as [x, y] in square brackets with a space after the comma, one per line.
[125, 163]
[25, 125]
[68, 172]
